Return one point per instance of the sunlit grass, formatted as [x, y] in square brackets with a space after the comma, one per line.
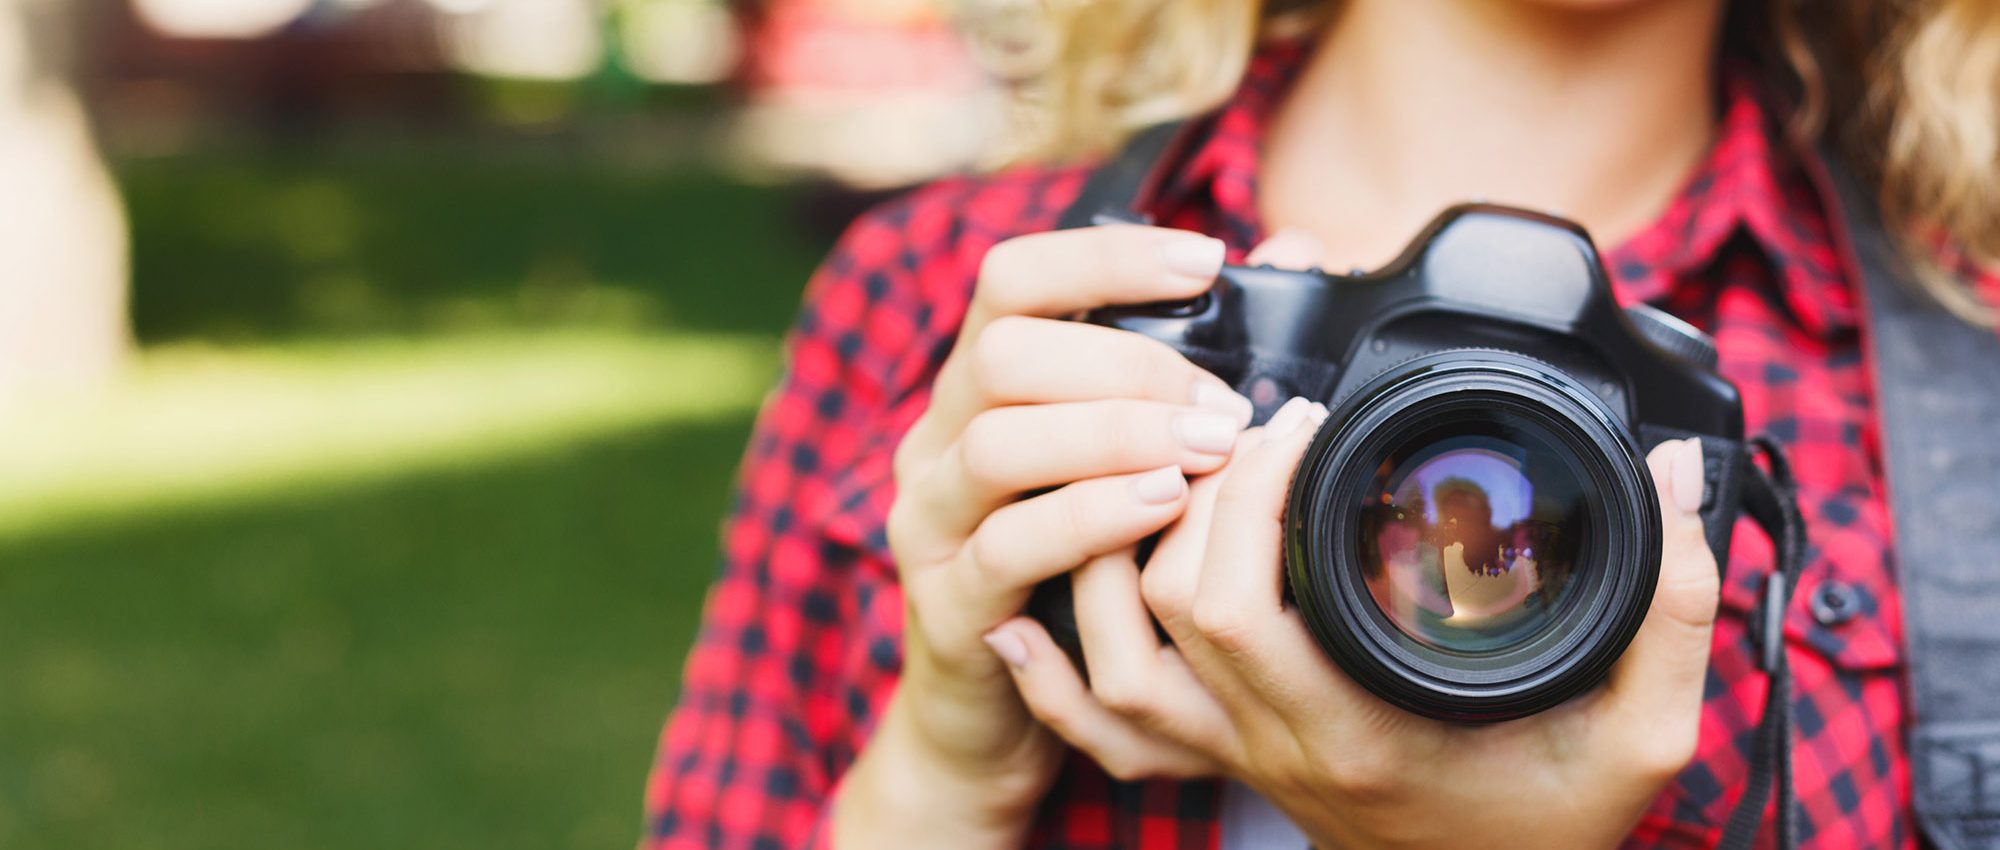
[199, 424]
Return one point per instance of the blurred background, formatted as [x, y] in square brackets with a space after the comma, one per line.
[372, 375]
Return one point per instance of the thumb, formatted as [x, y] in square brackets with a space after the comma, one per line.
[1663, 670]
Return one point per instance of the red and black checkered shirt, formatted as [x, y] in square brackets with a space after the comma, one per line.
[800, 644]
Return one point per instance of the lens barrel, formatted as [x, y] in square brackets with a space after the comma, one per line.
[1474, 536]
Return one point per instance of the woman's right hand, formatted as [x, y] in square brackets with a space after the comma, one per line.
[1046, 442]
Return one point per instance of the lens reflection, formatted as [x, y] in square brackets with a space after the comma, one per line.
[1470, 538]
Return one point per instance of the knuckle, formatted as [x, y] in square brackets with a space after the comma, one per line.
[1660, 757]
[1125, 768]
[1163, 596]
[1222, 628]
[1363, 775]
[1057, 718]
[1283, 776]
[905, 461]
[1125, 696]
[982, 452]
[1000, 272]
[991, 556]
[996, 351]
[897, 525]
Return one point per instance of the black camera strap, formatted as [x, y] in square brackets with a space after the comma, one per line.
[1771, 499]
[1111, 194]
[1937, 390]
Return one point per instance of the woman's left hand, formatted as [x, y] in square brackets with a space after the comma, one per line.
[1245, 690]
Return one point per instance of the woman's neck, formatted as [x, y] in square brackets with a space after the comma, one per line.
[1412, 105]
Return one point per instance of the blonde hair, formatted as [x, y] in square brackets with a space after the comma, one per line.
[1908, 90]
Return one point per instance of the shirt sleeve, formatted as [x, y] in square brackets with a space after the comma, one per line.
[799, 644]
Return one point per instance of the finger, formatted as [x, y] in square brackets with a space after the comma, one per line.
[1241, 623]
[1007, 451]
[1289, 248]
[1067, 271]
[1173, 572]
[1056, 695]
[1035, 539]
[1019, 360]
[1657, 684]
[1131, 674]
[1241, 587]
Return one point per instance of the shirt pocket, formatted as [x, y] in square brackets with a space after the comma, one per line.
[1845, 608]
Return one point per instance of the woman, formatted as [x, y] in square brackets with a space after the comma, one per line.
[942, 442]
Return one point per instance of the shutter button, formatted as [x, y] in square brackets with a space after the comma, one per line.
[1836, 602]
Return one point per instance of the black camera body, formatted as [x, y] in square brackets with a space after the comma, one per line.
[1473, 534]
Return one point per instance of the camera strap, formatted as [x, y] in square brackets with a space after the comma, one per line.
[1111, 194]
[1938, 399]
[1770, 498]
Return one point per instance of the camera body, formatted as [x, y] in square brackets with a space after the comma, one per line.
[1473, 534]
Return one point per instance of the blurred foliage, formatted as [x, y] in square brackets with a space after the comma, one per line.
[472, 651]
[235, 248]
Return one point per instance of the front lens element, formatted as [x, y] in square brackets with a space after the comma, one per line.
[1470, 534]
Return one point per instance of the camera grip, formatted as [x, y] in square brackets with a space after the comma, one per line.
[1722, 461]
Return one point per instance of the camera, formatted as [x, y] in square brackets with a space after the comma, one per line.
[1473, 534]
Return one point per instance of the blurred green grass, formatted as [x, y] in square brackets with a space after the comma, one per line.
[235, 248]
[474, 651]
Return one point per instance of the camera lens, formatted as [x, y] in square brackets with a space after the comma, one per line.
[1473, 536]
[1470, 534]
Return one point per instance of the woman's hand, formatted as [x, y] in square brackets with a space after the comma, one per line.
[1047, 442]
[1245, 684]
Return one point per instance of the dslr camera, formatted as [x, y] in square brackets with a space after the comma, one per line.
[1473, 535]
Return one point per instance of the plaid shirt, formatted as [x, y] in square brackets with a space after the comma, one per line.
[800, 644]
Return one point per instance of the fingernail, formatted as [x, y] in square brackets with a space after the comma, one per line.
[1208, 433]
[1193, 256]
[1008, 646]
[1288, 417]
[1160, 486]
[1223, 400]
[1687, 472]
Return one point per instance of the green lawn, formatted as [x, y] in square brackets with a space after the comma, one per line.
[469, 640]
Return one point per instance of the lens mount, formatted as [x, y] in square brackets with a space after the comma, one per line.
[1380, 439]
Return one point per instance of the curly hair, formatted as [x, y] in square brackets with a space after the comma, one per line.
[1907, 90]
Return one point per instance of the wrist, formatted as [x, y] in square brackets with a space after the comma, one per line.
[904, 789]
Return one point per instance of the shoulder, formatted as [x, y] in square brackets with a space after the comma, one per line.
[953, 221]
[906, 268]
[889, 298]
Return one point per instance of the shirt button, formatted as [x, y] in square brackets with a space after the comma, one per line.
[1836, 602]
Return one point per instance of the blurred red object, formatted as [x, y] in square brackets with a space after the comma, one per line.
[840, 49]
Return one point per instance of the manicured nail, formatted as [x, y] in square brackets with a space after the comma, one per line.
[1208, 433]
[1214, 396]
[1288, 417]
[1160, 486]
[1193, 256]
[1008, 646]
[1688, 476]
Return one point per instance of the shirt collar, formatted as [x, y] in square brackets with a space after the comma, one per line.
[1745, 185]
[1750, 188]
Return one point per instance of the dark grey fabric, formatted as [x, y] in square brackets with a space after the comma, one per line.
[1937, 384]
